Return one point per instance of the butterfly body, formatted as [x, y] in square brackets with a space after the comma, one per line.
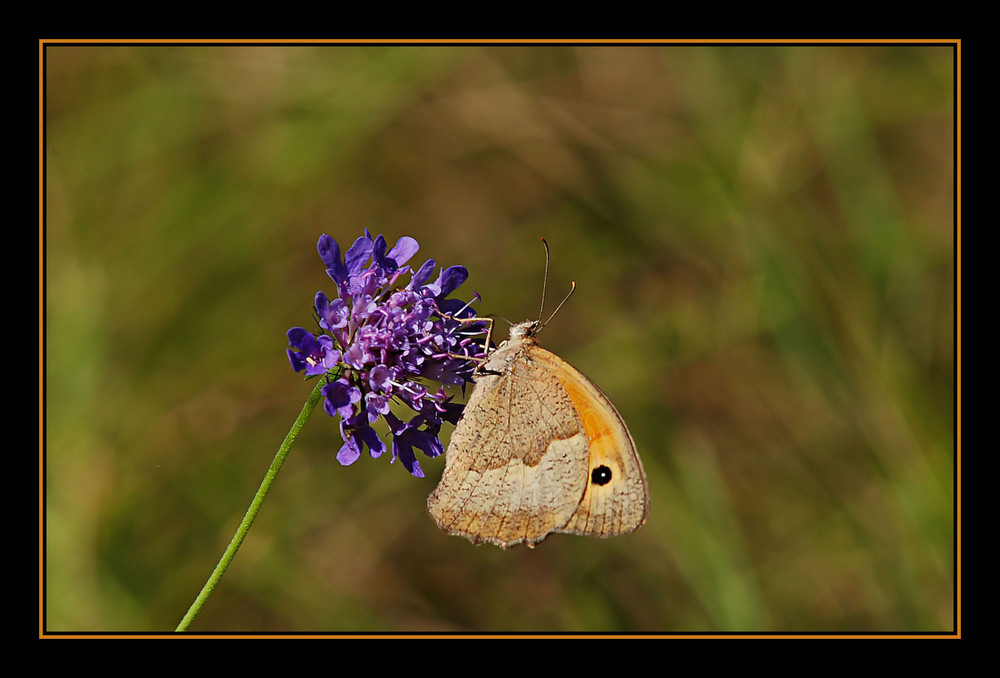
[539, 449]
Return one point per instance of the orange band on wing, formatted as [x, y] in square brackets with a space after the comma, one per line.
[596, 422]
[607, 434]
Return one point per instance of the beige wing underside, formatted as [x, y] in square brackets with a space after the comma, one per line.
[520, 461]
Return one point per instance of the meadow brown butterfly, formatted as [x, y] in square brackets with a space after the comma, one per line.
[539, 449]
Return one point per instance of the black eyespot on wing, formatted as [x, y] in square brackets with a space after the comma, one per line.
[600, 475]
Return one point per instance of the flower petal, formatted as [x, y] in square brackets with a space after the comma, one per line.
[349, 453]
[329, 252]
[403, 450]
[420, 276]
[451, 278]
[358, 254]
[405, 248]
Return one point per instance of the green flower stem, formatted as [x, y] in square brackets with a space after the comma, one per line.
[255, 505]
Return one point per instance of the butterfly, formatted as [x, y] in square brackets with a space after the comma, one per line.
[539, 450]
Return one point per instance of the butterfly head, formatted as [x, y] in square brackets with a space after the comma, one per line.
[528, 328]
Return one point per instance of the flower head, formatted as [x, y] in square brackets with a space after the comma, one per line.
[381, 341]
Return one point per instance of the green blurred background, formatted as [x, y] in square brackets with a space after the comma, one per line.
[764, 243]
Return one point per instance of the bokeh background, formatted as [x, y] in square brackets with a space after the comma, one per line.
[763, 239]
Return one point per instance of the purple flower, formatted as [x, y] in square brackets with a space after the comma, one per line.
[421, 432]
[340, 398]
[315, 354]
[381, 341]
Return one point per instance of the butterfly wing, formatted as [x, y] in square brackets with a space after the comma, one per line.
[517, 465]
[616, 499]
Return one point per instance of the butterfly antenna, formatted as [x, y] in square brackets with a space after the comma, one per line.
[565, 299]
[545, 278]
